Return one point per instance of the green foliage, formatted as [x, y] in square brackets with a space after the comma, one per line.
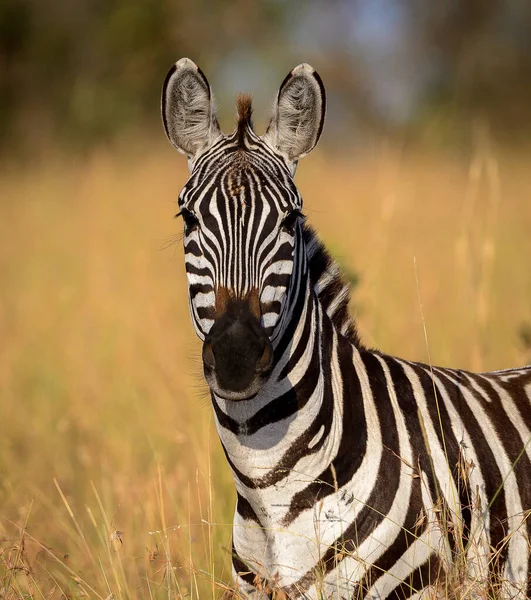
[525, 335]
[349, 274]
[78, 73]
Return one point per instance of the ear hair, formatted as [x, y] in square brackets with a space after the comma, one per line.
[299, 113]
[188, 110]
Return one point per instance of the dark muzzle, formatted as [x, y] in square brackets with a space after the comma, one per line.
[237, 354]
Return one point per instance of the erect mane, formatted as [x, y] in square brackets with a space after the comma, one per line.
[244, 105]
[332, 290]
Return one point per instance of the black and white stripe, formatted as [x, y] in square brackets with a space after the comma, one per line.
[358, 474]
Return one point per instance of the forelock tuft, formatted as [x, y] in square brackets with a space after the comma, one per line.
[244, 105]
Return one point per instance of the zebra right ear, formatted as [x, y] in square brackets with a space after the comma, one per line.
[188, 109]
[299, 113]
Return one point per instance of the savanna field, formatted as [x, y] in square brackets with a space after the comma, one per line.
[112, 480]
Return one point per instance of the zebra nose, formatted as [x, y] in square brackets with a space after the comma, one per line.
[208, 355]
[238, 352]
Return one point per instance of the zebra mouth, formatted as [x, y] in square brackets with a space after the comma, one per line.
[235, 379]
[233, 397]
[237, 356]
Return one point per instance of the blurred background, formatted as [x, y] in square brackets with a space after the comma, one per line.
[112, 481]
[81, 73]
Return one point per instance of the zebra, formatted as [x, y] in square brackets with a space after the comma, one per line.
[358, 474]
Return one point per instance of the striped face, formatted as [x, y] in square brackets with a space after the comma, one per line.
[241, 214]
[242, 220]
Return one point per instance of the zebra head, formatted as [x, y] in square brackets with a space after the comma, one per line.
[242, 226]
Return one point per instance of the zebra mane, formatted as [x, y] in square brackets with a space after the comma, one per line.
[332, 289]
[244, 105]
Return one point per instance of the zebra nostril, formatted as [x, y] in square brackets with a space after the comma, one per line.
[266, 359]
[208, 355]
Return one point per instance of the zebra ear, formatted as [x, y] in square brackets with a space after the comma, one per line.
[299, 113]
[188, 110]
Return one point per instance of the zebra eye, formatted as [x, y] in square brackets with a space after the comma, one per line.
[190, 220]
[289, 221]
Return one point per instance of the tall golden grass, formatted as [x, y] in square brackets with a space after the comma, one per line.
[112, 481]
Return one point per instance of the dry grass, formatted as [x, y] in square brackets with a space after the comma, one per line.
[112, 482]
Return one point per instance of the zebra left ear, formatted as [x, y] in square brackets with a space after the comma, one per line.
[299, 113]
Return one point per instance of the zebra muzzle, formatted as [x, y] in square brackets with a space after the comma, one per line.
[237, 354]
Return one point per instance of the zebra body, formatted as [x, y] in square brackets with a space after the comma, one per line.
[358, 475]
